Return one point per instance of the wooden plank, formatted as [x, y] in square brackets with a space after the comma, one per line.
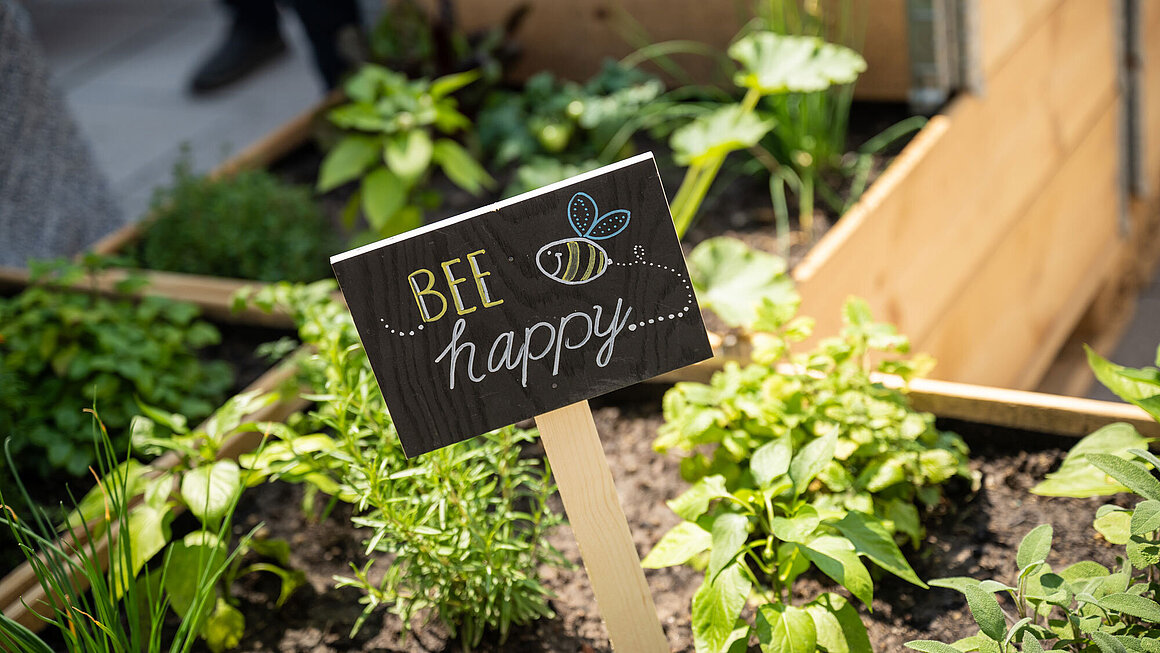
[1004, 24]
[1149, 76]
[1020, 304]
[597, 520]
[572, 39]
[935, 227]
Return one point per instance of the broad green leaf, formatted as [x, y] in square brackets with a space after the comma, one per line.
[799, 528]
[460, 167]
[931, 646]
[408, 155]
[684, 541]
[383, 194]
[716, 606]
[448, 84]
[349, 159]
[836, 558]
[771, 460]
[148, 534]
[1137, 386]
[732, 278]
[812, 458]
[1132, 475]
[1143, 551]
[1106, 643]
[210, 490]
[1077, 477]
[871, 539]
[1031, 644]
[714, 135]
[1114, 525]
[1083, 570]
[985, 609]
[1135, 606]
[785, 629]
[1034, 547]
[730, 530]
[838, 625]
[776, 63]
[96, 503]
[224, 628]
[1146, 517]
[695, 501]
[193, 563]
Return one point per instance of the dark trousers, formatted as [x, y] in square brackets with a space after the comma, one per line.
[322, 20]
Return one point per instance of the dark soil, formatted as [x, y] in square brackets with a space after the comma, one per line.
[971, 534]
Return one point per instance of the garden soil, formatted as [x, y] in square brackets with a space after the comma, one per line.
[974, 532]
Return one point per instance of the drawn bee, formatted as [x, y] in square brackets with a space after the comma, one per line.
[579, 260]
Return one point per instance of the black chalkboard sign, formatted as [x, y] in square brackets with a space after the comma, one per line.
[525, 306]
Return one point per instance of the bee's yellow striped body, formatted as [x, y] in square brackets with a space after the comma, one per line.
[572, 260]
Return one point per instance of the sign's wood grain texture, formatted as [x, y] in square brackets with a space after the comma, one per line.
[525, 306]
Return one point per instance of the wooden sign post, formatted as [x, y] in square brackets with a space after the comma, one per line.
[529, 307]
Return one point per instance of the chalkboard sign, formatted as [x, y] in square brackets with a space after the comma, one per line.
[524, 306]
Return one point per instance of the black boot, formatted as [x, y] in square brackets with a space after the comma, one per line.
[242, 51]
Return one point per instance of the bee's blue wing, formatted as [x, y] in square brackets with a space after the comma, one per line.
[582, 213]
[609, 224]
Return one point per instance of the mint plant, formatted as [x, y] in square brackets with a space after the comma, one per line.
[464, 528]
[1085, 606]
[395, 131]
[62, 349]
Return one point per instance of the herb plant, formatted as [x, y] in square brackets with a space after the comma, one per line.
[798, 461]
[464, 527]
[248, 226]
[62, 349]
[121, 608]
[394, 134]
[1086, 606]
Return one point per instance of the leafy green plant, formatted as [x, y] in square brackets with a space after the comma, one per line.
[464, 527]
[554, 127]
[1086, 606]
[62, 349]
[250, 226]
[394, 134]
[799, 460]
[120, 608]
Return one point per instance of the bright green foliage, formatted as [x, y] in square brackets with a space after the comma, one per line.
[731, 278]
[209, 487]
[553, 127]
[797, 462]
[394, 135]
[122, 608]
[1086, 606]
[463, 529]
[62, 350]
[249, 226]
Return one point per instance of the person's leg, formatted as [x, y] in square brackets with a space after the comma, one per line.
[323, 21]
[252, 40]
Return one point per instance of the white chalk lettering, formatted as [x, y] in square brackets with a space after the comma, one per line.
[455, 349]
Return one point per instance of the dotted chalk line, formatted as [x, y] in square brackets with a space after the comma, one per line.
[638, 259]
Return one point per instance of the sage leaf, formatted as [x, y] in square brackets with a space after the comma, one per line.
[1114, 525]
[986, 611]
[1031, 644]
[716, 606]
[1132, 605]
[931, 646]
[835, 557]
[871, 539]
[1145, 518]
[1034, 547]
[1133, 476]
[1077, 477]
[730, 530]
[1143, 552]
[209, 490]
[1107, 643]
[684, 541]
[785, 629]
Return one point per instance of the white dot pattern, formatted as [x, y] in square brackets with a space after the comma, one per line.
[638, 259]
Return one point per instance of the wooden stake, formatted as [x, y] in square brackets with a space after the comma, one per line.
[585, 482]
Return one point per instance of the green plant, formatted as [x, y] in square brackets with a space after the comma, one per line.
[810, 462]
[393, 136]
[62, 349]
[120, 608]
[1085, 607]
[464, 527]
[250, 226]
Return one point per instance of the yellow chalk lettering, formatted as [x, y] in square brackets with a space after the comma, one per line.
[429, 290]
[484, 295]
[452, 280]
